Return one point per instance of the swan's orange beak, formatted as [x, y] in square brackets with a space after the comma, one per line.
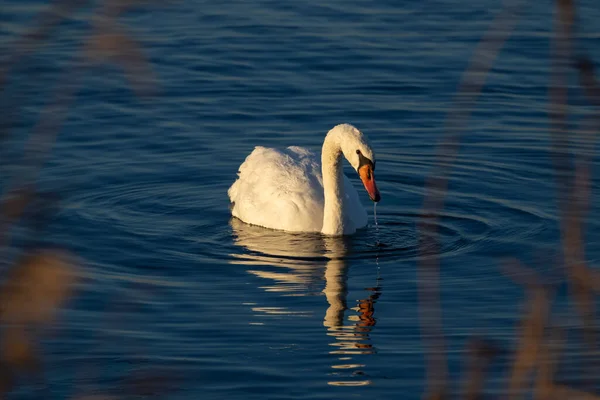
[368, 179]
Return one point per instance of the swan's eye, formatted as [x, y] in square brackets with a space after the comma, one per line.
[357, 151]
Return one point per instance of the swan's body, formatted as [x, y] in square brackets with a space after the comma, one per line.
[291, 190]
[283, 189]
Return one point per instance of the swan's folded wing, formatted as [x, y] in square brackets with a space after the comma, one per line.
[279, 190]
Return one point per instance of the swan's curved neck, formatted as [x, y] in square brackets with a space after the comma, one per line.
[333, 185]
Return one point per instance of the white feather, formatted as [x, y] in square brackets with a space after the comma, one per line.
[283, 189]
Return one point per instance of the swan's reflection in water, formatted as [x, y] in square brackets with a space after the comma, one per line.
[302, 262]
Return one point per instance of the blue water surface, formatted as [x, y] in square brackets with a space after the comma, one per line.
[239, 312]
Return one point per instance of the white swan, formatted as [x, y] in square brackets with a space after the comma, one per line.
[285, 189]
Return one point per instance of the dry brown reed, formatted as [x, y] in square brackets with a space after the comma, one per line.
[41, 281]
[538, 344]
[436, 187]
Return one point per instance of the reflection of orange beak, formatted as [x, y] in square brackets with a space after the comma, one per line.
[368, 179]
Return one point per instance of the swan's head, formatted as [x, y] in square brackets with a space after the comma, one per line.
[357, 150]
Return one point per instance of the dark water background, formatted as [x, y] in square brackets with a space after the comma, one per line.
[236, 312]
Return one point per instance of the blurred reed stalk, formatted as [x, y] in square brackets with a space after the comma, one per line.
[40, 281]
[436, 187]
[536, 352]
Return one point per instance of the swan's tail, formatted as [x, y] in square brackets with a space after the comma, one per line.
[234, 190]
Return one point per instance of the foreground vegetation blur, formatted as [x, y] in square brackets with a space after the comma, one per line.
[38, 281]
